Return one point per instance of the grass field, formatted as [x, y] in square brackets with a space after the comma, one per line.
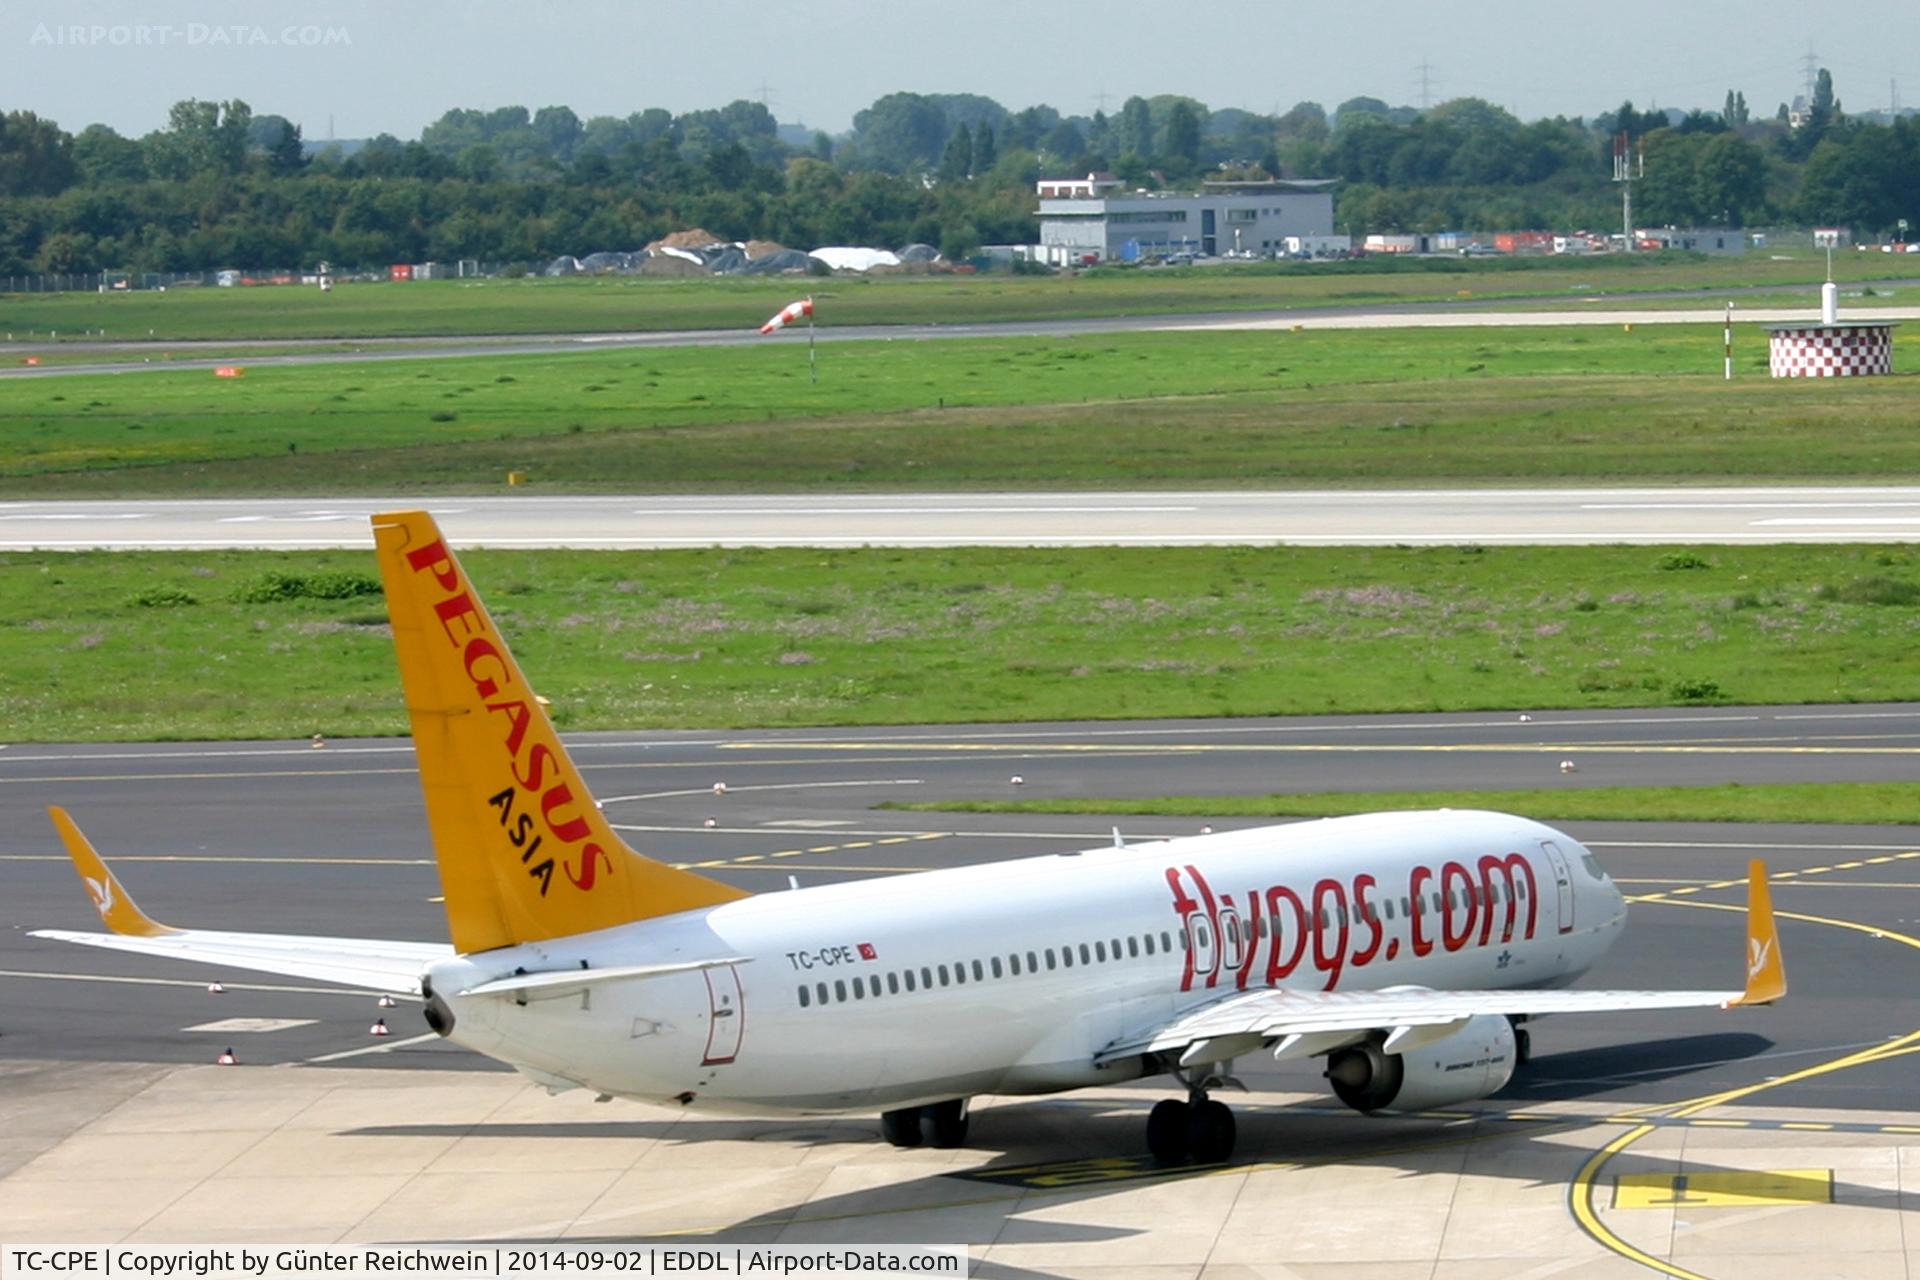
[152, 645]
[1464, 406]
[1888, 803]
[457, 307]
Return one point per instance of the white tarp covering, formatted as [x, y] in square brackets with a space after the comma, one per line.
[848, 258]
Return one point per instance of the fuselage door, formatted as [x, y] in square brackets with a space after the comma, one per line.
[727, 1014]
[1562, 883]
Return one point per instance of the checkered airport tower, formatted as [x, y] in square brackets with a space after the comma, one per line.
[1829, 351]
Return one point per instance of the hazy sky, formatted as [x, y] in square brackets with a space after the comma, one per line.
[396, 65]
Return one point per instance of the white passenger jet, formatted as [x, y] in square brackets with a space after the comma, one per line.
[1404, 948]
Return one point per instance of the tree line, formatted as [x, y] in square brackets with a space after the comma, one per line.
[219, 186]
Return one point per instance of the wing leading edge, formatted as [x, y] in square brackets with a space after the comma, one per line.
[1302, 1023]
[374, 964]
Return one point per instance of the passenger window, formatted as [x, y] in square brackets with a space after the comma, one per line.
[893, 983]
[1149, 944]
[996, 966]
[1133, 948]
[909, 976]
[859, 989]
[1033, 963]
[1086, 955]
[820, 990]
[840, 990]
[805, 999]
[1013, 964]
[1116, 948]
[979, 974]
[1388, 904]
[1100, 952]
[1066, 956]
[1050, 957]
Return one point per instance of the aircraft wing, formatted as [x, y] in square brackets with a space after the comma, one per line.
[358, 962]
[1300, 1023]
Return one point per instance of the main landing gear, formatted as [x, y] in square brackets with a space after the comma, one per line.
[940, 1124]
[1199, 1129]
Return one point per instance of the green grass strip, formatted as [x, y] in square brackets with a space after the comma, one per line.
[1563, 405]
[103, 646]
[1889, 803]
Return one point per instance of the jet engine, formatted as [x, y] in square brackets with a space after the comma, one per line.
[1471, 1062]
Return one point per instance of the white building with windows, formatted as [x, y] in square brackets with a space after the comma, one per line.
[1243, 218]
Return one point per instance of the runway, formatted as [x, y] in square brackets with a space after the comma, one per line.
[140, 357]
[1236, 517]
[103, 1056]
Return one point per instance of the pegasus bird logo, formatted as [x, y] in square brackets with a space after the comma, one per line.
[1757, 955]
[101, 891]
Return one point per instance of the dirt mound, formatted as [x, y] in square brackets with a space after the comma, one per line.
[763, 248]
[691, 238]
[666, 264]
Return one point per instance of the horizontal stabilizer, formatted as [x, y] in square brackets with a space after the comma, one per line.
[560, 982]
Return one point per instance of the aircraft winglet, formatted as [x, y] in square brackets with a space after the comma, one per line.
[1766, 971]
[117, 909]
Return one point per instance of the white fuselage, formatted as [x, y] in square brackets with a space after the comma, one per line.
[1011, 977]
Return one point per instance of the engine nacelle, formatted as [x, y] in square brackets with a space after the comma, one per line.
[1472, 1062]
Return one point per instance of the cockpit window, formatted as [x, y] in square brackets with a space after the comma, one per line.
[1593, 866]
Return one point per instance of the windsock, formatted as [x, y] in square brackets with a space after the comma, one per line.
[788, 314]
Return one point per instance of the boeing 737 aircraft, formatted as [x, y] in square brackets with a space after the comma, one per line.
[1404, 948]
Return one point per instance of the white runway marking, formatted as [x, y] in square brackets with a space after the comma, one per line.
[770, 786]
[253, 1026]
[776, 512]
[1804, 521]
[387, 1046]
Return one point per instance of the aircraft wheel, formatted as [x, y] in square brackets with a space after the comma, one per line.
[947, 1123]
[901, 1128]
[1210, 1132]
[1167, 1131]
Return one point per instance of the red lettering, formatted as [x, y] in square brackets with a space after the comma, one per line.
[1365, 914]
[480, 648]
[1183, 907]
[1250, 946]
[537, 760]
[519, 717]
[1329, 912]
[596, 857]
[573, 829]
[1416, 887]
[1213, 919]
[1514, 868]
[458, 607]
[434, 556]
[1276, 967]
[1464, 908]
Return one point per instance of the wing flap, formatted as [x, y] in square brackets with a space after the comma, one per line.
[1274, 1015]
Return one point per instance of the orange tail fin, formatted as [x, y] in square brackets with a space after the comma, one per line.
[525, 854]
